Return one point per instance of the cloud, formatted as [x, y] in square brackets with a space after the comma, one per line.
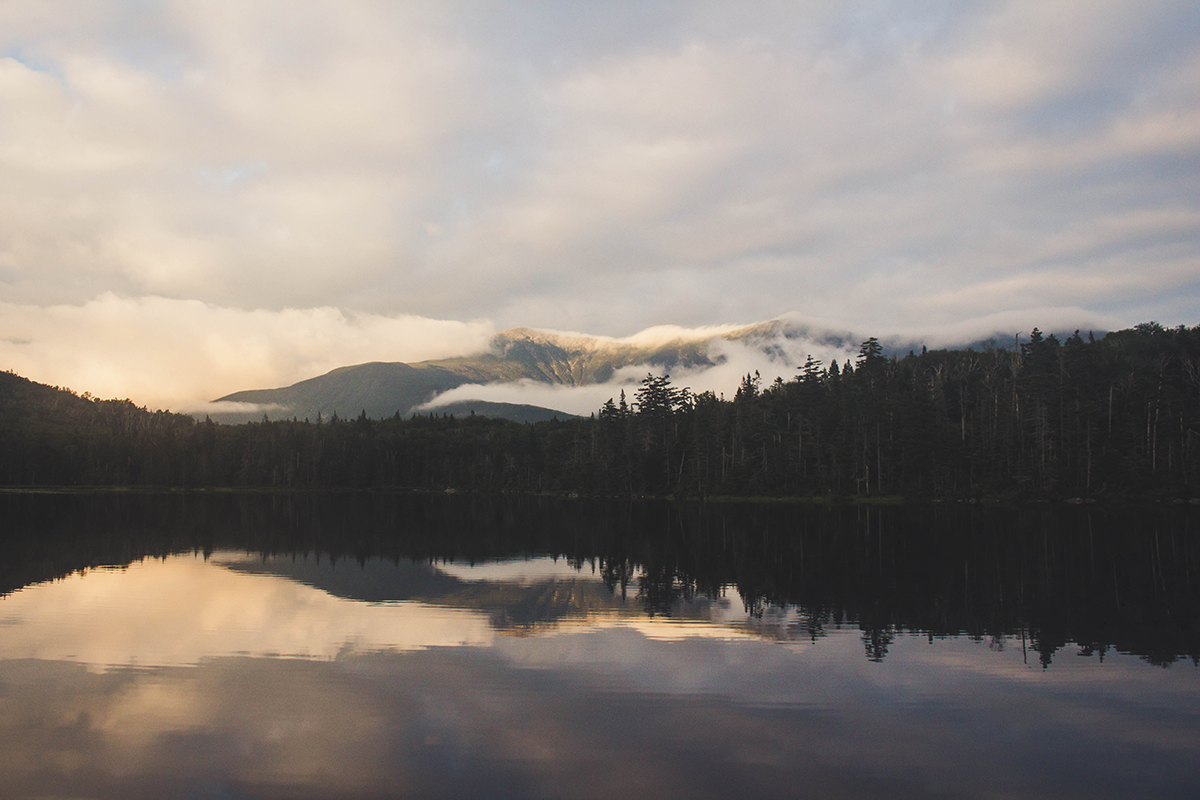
[229, 407]
[179, 354]
[581, 400]
[1003, 326]
[186, 609]
[606, 168]
[775, 354]
[779, 352]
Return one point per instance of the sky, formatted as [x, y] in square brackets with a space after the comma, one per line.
[203, 197]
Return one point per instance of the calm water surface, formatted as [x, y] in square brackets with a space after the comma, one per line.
[383, 646]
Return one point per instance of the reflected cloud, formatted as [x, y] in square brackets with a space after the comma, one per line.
[183, 610]
[520, 571]
[412, 698]
[186, 609]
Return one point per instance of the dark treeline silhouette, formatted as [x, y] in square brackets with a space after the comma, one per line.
[1041, 577]
[1084, 417]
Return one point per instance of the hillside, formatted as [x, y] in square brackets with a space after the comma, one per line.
[52, 436]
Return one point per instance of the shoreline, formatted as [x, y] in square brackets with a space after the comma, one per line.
[829, 500]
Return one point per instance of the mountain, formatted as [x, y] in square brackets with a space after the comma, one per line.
[382, 389]
[379, 389]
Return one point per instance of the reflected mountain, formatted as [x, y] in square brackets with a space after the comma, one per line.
[1040, 578]
[512, 607]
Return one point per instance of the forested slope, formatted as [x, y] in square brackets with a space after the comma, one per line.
[1115, 416]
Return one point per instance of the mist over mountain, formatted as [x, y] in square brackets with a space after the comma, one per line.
[530, 374]
[525, 363]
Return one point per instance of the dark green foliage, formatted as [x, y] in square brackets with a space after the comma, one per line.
[1116, 416]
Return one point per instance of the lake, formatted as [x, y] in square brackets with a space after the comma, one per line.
[373, 646]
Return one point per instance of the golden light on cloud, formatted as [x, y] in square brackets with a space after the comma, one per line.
[261, 196]
[179, 354]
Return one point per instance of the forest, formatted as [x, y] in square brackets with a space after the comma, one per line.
[1084, 418]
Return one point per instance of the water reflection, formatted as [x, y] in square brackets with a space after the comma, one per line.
[185, 609]
[1045, 580]
[181, 610]
[425, 647]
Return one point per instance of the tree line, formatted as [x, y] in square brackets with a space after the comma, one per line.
[1084, 417]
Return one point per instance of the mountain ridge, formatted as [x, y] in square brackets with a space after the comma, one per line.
[553, 358]
[382, 389]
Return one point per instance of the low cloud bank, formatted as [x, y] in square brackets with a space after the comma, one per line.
[771, 357]
[180, 354]
[779, 353]
[222, 408]
[581, 400]
[1003, 326]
